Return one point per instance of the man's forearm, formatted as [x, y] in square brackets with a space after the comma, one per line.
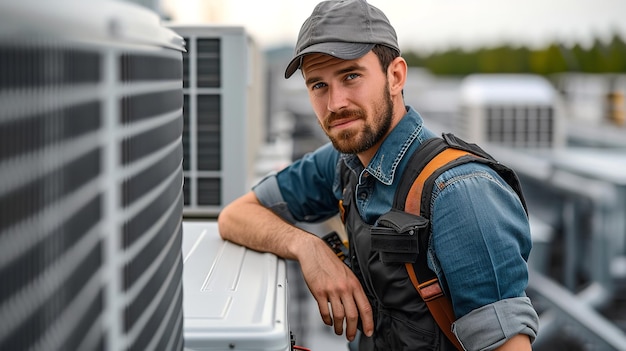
[340, 297]
[246, 222]
[520, 342]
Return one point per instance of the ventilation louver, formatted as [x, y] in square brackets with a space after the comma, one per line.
[518, 111]
[90, 177]
[222, 116]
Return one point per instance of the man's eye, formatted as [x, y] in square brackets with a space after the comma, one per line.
[318, 86]
[352, 76]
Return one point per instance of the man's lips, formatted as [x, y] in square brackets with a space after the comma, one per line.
[342, 122]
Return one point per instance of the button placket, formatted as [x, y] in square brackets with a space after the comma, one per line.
[364, 190]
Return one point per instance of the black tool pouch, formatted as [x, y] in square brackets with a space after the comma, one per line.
[396, 236]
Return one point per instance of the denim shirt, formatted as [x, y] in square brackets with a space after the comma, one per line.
[480, 238]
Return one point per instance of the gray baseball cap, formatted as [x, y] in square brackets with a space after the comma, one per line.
[346, 29]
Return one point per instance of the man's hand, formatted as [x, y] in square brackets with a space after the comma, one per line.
[246, 222]
[336, 289]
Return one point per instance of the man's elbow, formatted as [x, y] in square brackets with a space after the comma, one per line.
[229, 217]
[221, 225]
[224, 221]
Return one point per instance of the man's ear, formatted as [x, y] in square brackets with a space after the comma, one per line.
[396, 74]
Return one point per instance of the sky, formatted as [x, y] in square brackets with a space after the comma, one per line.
[427, 25]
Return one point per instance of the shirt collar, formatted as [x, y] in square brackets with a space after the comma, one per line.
[384, 163]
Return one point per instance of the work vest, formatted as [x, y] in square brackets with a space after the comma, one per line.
[402, 318]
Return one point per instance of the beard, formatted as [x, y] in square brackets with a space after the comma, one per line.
[357, 141]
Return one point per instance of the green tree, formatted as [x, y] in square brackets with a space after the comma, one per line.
[547, 61]
[555, 58]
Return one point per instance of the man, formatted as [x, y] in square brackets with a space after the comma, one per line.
[349, 57]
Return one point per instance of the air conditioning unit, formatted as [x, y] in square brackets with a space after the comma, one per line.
[90, 177]
[234, 298]
[513, 110]
[223, 109]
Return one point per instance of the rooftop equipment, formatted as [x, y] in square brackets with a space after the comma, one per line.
[223, 127]
[514, 110]
[90, 177]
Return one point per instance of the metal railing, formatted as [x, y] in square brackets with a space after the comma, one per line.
[576, 279]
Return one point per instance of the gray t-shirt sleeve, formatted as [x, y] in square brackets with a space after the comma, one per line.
[490, 326]
[268, 193]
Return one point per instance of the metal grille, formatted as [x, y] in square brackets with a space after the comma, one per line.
[143, 67]
[186, 191]
[209, 136]
[150, 187]
[209, 63]
[186, 138]
[51, 245]
[511, 110]
[186, 66]
[209, 191]
[220, 129]
[520, 126]
[90, 180]
[37, 67]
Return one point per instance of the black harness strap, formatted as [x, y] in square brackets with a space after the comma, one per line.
[414, 194]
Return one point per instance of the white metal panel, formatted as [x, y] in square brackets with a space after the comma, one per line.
[513, 110]
[234, 298]
[481, 89]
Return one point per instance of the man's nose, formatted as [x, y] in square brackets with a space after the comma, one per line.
[337, 99]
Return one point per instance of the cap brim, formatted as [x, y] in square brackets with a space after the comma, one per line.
[341, 50]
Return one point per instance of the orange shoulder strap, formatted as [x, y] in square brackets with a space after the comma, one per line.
[431, 292]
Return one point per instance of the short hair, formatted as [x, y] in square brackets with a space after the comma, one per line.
[385, 55]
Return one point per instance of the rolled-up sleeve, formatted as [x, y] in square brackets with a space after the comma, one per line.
[490, 326]
[479, 246]
[303, 191]
[268, 193]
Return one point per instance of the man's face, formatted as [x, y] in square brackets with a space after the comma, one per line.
[351, 100]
